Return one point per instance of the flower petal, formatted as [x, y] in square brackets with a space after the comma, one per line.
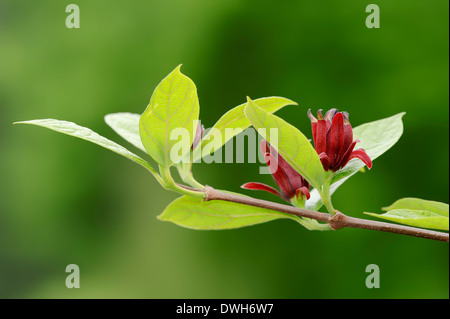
[321, 136]
[304, 191]
[337, 139]
[325, 160]
[295, 179]
[313, 125]
[198, 135]
[261, 187]
[311, 117]
[279, 176]
[344, 159]
[329, 115]
[264, 146]
[362, 155]
[348, 133]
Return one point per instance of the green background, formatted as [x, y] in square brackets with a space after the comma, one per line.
[65, 201]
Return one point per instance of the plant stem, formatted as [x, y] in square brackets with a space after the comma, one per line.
[187, 177]
[340, 220]
[336, 221]
[325, 195]
[170, 184]
[213, 194]
[308, 223]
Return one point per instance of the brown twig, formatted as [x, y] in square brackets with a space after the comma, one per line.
[338, 221]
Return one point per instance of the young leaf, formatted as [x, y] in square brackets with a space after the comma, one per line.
[127, 126]
[235, 121]
[417, 218]
[86, 134]
[173, 105]
[289, 142]
[198, 214]
[420, 204]
[376, 138]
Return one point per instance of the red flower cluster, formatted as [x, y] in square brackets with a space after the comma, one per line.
[333, 140]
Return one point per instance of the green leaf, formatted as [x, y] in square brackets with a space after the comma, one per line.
[420, 204]
[417, 218]
[173, 105]
[376, 138]
[235, 122]
[86, 134]
[290, 143]
[127, 126]
[198, 214]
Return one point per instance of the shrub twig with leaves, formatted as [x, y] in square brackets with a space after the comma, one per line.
[174, 105]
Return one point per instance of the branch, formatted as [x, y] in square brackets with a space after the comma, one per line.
[338, 221]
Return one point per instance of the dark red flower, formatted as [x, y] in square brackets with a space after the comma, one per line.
[333, 140]
[288, 180]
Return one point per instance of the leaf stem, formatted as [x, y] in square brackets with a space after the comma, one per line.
[170, 184]
[185, 172]
[308, 223]
[189, 179]
[325, 195]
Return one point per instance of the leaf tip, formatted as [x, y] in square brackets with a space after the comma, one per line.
[252, 104]
[248, 106]
[178, 68]
[107, 118]
[22, 122]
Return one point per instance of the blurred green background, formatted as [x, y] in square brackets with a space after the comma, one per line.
[64, 201]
